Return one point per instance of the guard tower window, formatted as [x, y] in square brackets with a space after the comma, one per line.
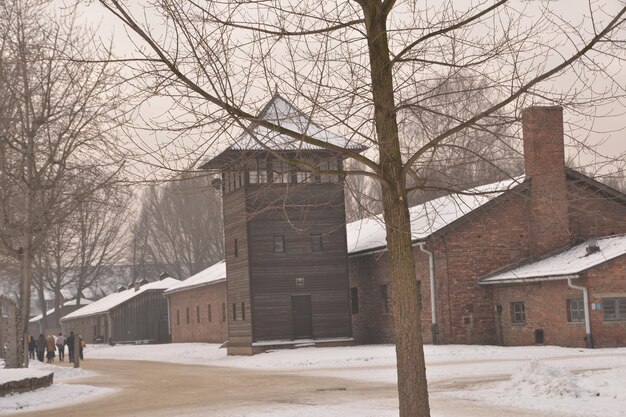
[280, 172]
[257, 171]
[329, 165]
[234, 311]
[279, 243]
[316, 243]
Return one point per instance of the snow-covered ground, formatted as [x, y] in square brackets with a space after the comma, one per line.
[573, 382]
[60, 393]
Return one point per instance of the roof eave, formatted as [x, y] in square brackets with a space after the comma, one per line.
[529, 279]
[191, 287]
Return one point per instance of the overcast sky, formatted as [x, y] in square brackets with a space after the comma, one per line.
[609, 133]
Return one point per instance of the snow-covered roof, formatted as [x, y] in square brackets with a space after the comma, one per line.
[212, 275]
[566, 264]
[113, 300]
[83, 302]
[284, 114]
[369, 234]
[281, 112]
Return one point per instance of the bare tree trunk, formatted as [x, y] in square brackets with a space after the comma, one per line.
[412, 385]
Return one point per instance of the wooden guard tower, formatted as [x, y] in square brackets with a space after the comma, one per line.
[285, 235]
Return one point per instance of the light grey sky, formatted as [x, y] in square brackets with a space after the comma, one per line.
[606, 133]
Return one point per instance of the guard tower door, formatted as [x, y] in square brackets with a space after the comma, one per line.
[302, 316]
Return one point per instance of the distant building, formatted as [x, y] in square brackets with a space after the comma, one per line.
[134, 315]
[51, 323]
[197, 306]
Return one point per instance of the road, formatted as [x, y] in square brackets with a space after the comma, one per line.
[158, 389]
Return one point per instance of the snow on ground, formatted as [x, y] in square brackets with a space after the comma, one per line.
[546, 379]
[545, 388]
[573, 382]
[54, 396]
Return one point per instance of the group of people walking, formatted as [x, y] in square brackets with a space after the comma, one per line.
[48, 347]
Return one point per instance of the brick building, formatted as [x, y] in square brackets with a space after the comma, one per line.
[473, 239]
[197, 307]
[470, 250]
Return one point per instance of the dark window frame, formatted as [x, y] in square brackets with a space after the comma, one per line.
[354, 300]
[187, 315]
[575, 310]
[234, 311]
[236, 248]
[384, 290]
[177, 317]
[209, 315]
[198, 314]
[223, 312]
[614, 309]
[317, 243]
[280, 240]
[518, 312]
[243, 311]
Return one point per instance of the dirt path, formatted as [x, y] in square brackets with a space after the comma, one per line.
[158, 389]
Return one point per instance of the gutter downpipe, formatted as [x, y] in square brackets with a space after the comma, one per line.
[588, 338]
[433, 299]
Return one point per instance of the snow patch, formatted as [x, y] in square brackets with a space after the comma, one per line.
[539, 379]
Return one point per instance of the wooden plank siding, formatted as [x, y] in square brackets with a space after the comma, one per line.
[296, 212]
[237, 269]
[142, 318]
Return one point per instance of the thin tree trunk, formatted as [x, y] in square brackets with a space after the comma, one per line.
[412, 385]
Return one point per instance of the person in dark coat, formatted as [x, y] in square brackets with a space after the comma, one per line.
[40, 347]
[31, 347]
[70, 346]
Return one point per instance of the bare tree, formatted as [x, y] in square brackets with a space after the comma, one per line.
[57, 130]
[354, 66]
[180, 227]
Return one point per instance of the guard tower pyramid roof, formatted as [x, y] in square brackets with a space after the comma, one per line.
[284, 114]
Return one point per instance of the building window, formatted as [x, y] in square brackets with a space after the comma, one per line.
[518, 312]
[280, 172]
[316, 243]
[236, 248]
[385, 296]
[223, 311]
[279, 244]
[234, 311]
[614, 308]
[257, 171]
[178, 317]
[575, 310]
[187, 315]
[243, 311]
[208, 313]
[198, 314]
[354, 300]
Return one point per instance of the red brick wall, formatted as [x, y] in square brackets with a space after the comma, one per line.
[546, 309]
[215, 331]
[593, 214]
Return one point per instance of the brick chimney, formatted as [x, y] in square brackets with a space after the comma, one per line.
[544, 163]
